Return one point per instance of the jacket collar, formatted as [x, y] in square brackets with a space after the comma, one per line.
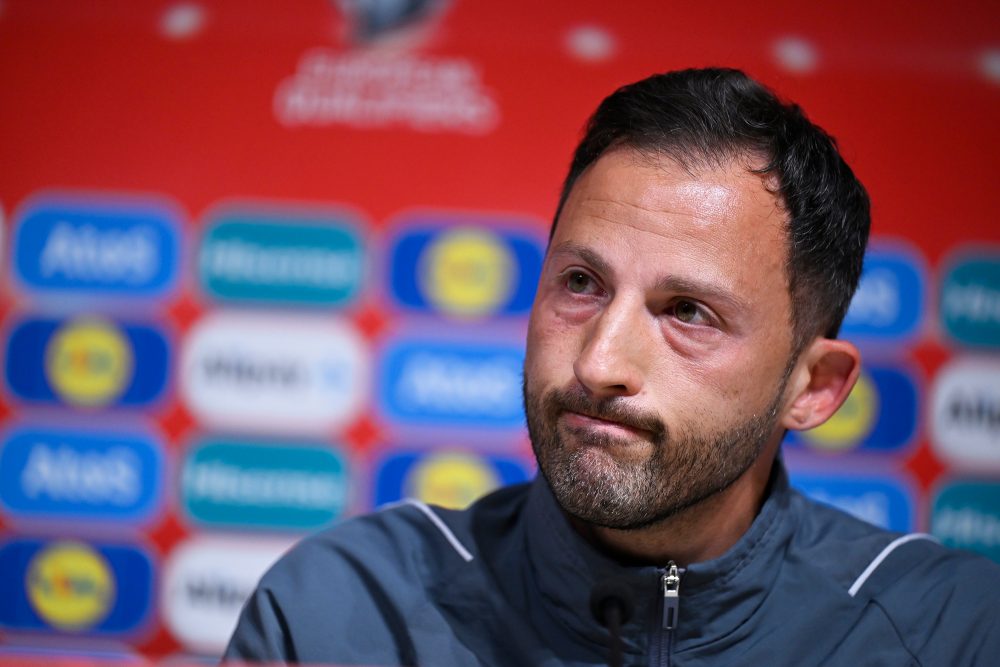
[715, 596]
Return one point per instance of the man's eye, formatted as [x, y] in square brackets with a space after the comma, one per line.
[688, 312]
[579, 282]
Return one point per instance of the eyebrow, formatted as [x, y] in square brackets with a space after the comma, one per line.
[667, 283]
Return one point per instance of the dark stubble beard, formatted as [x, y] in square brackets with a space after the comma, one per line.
[686, 467]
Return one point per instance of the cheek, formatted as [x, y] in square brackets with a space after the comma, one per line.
[550, 348]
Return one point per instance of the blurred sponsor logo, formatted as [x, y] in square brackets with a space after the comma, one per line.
[882, 501]
[370, 21]
[278, 486]
[368, 90]
[880, 414]
[281, 258]
[965, 412]
[58, 474]
[966, 515]
[449, 478]
[452, 384]
[285, 374]
[889, 303]
[72, 587]
[464, 271]
[205, 584]
[86, 362]
[467, 272]
[970, 302]
[108, 247]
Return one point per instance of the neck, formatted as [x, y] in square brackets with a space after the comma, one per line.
[698, 533]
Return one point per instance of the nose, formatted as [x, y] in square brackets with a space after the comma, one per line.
[611, 362]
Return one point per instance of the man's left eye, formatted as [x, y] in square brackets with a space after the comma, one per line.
[579, 282]
[688, 312]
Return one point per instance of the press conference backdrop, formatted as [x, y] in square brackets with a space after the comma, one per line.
[268, 265]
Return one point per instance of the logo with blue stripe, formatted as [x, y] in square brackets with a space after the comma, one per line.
[966, 515]
[881, 501]
[119, 248]
[452, 384]
[70, 587]
[268, 486]
[282, 258]
[889, 303]
[970, 301]
[62, 475]
[465, 268]
[86, 362]
[879, 415]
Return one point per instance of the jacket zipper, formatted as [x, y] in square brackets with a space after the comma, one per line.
[671, 586]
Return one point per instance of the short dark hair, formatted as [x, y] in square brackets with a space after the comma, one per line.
[706, 117]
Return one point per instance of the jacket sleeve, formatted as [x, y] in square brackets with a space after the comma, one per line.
[261, 634]
[944, 604]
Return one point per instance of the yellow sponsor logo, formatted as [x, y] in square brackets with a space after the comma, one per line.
[88, 362]
[851, 423]
[70, 586]
[468, 272]
[450, 480]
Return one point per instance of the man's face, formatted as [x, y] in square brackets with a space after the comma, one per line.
[660, 338]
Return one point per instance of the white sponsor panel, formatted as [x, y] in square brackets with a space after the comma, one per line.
[205, 584]
[277, 373]
[965, 413]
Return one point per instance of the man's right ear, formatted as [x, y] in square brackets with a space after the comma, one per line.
[823, 377]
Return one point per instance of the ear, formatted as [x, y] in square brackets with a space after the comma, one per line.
[822, 379]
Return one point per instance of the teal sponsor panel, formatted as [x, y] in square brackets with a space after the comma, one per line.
[278, 258]
[970, 301]
[966, 515]
[271, 486]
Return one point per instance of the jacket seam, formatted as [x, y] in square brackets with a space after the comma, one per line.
[895, 629]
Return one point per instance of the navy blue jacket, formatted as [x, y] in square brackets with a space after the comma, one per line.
[508, 582]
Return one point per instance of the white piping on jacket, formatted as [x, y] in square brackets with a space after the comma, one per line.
[892, 546]
[438, 523]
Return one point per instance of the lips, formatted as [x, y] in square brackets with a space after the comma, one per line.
[590, 422]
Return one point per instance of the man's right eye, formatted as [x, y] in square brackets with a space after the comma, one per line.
[579, 282]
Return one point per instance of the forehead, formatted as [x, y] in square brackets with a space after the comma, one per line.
[721, 223]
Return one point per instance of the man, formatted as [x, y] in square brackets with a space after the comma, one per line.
[706, 247]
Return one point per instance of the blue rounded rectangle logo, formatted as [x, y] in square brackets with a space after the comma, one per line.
[111, 247]
[889, 303]
[881, 501]
[879, 415]
[282, 258]
[86, 362]
[465, 268]
[71, 587]
[62, 475]
[452, 384]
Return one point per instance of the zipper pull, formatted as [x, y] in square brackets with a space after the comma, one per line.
[671, 596]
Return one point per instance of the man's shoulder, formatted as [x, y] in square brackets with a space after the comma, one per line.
[941, 602]
[408, 539]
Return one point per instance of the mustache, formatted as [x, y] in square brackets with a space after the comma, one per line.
[612, 409]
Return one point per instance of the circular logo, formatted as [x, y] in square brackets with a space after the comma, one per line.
[851, 423]
[88, 362]
[450, 480]
[70, 586]
[468, 273]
